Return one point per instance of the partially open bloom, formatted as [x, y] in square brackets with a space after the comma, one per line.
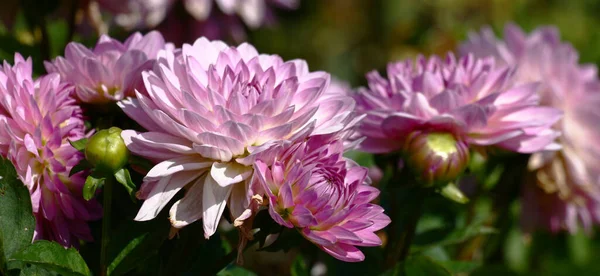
[312, 188]
[112, 70]
[210, 112]
[567, 193]
[471, 99]
[39, 117]
[435, 157]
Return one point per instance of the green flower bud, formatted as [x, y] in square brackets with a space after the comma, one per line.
[106, 150]
[436, 157]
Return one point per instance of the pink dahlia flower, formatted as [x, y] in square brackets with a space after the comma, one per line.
[39, 117]
[470, 98]
[568, 183]
[313, 188]
[211, 111]
[112, 70]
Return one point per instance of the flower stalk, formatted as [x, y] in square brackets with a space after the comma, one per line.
[106, 204]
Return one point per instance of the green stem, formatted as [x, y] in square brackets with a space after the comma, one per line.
[405, 217]
[108, 186]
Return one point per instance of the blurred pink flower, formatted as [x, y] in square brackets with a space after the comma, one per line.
[112, 70]
[210, 112]
[470, 98]
[568, 187]
[211, 18]
[313, 188]
[38, 118]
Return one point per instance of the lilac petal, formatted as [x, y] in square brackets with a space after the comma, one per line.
[252, 12]
[303, 217]
[319, 237]
[400, 124]
[214, 200]
[223, 142]
[188, 209]
[367, 238]
[344, 252]
[239, 201]
[419, 106]
[344, 235]
[229, 173]
[161, 194]
[132, 108]
[183, 163]
[159, 140]
[212, 152]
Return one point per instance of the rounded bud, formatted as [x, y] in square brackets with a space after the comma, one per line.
[107, 151]
[436, 157]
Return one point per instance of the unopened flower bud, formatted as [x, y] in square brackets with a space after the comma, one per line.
[106, 150]
[436, 157]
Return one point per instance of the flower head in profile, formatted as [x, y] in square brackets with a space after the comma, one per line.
[313, 188]
[111, 70]
[38, 117]
[468, 101]
[566, 192]
[211, 111]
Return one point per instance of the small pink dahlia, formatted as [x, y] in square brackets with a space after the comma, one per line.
[567, 189]
[469, 97]
[313, 188]
[211, 111]
[38, 117]
[112, 70]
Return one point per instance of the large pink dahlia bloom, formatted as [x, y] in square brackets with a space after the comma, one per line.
[210, 112]
[38, 117]
[567, 193]
[313, 188]
[112, 70]
[471, 98]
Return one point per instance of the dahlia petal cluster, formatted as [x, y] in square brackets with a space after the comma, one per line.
[469, 97]
[211, 111]
[313, 188]
[566, 192]
[37, 120]
[212, 18]
[112, 70]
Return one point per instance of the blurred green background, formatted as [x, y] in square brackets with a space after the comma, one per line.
[349, 38]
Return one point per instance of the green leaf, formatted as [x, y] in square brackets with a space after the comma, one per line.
[299, 267]
[16, 217]
[33, 270]
[460, 235]
[493, 270]
[235, 270]
[79, 144]
[53, 257]
[139, 248]
[91, 184]
[418, 265]
[124, 178]
[450, 191]
[460, 266]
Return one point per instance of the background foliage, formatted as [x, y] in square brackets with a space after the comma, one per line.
[347, 38]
